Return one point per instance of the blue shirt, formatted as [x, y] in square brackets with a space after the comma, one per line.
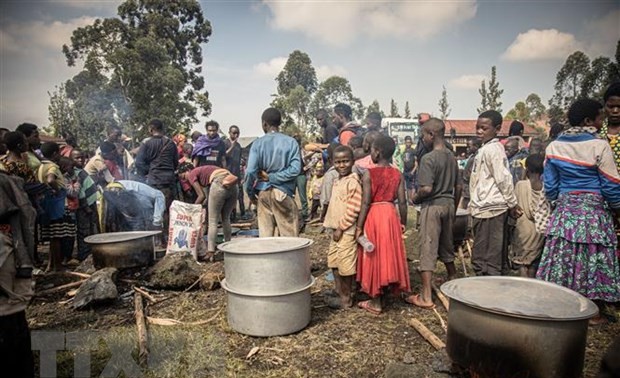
[148, 197]
[581, 162]
[279, 156]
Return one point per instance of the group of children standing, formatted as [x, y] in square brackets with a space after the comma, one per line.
[369, 199]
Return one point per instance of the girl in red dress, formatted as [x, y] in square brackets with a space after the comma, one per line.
[386, 266]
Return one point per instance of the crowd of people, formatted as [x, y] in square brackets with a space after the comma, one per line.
[547, 208]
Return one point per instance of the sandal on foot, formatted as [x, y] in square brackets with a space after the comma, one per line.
[365, 305]
[415, 300]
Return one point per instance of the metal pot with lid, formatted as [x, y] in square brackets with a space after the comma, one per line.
[267, 266]
[517, 327]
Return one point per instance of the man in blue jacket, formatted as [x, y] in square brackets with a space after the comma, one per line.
[273, 166]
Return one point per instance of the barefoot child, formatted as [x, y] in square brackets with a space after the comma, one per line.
[527, 243]
[492, 199]
[386, 266]
[341, 217]
[438, 194]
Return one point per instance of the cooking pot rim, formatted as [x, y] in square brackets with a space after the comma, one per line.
[119, 237]
[522, 316]
[295, 291]
[258, 248]
[456, 290]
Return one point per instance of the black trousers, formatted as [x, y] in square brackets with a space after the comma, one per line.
[15, 348]
[490, 251]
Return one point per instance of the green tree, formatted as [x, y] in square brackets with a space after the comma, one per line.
[569, 81]
[528, 111]
[444, 106]
[151, 55]
[61, 112]
[484, 94]
[491, 95]
[295, 85]
[93, 105]
[298, 70]
[407, 110]
[296, 105]
[519, 112]
[334, 90]
[494, 93]
[535, 106]
[597, 79]
[615, 69]
[393, 109]
[375, 107]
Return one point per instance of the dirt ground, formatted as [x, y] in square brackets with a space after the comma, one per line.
[350, 343]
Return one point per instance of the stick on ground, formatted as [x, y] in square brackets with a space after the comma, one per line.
[60, 288]
[141, 326]
[427, 334]
[462, 258]
[146, 295]
[444, 301]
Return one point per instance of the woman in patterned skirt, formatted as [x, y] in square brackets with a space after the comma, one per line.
[581, 177]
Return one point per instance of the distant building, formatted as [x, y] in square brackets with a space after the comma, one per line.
[459, 131]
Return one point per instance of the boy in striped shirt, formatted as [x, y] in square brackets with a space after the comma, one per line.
[341, 217]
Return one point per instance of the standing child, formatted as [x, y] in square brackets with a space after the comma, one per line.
[86, 215]
[55, 224]
[341, 217]
[72, 203]
[527, 243]
[438, 194]
[315, 191]
[386, 266]
[492, 199]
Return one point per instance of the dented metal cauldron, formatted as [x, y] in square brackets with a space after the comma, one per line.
[517, 327]
[122, 249]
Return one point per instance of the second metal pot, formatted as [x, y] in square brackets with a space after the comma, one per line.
[268, 315]
[517, 327]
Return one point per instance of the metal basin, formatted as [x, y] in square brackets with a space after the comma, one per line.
[517, 327]
[122, 249]
[267, 266]
[268, 315]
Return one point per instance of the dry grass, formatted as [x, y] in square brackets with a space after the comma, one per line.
[349, 343]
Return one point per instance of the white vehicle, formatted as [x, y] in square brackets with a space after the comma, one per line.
[402, 127]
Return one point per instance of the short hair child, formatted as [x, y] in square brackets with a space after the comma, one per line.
[527, 243]
[492, 199]
[438, 195]
[341, 217]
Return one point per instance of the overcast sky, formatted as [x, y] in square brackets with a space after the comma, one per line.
[404, 50]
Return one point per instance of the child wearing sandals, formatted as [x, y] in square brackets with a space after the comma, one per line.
[438, 195]
[341, 217]
[385, 268]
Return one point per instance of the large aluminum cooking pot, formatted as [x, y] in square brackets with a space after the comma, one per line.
[517, 327]
[267, 314]
[271, 265]
[122, 249]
